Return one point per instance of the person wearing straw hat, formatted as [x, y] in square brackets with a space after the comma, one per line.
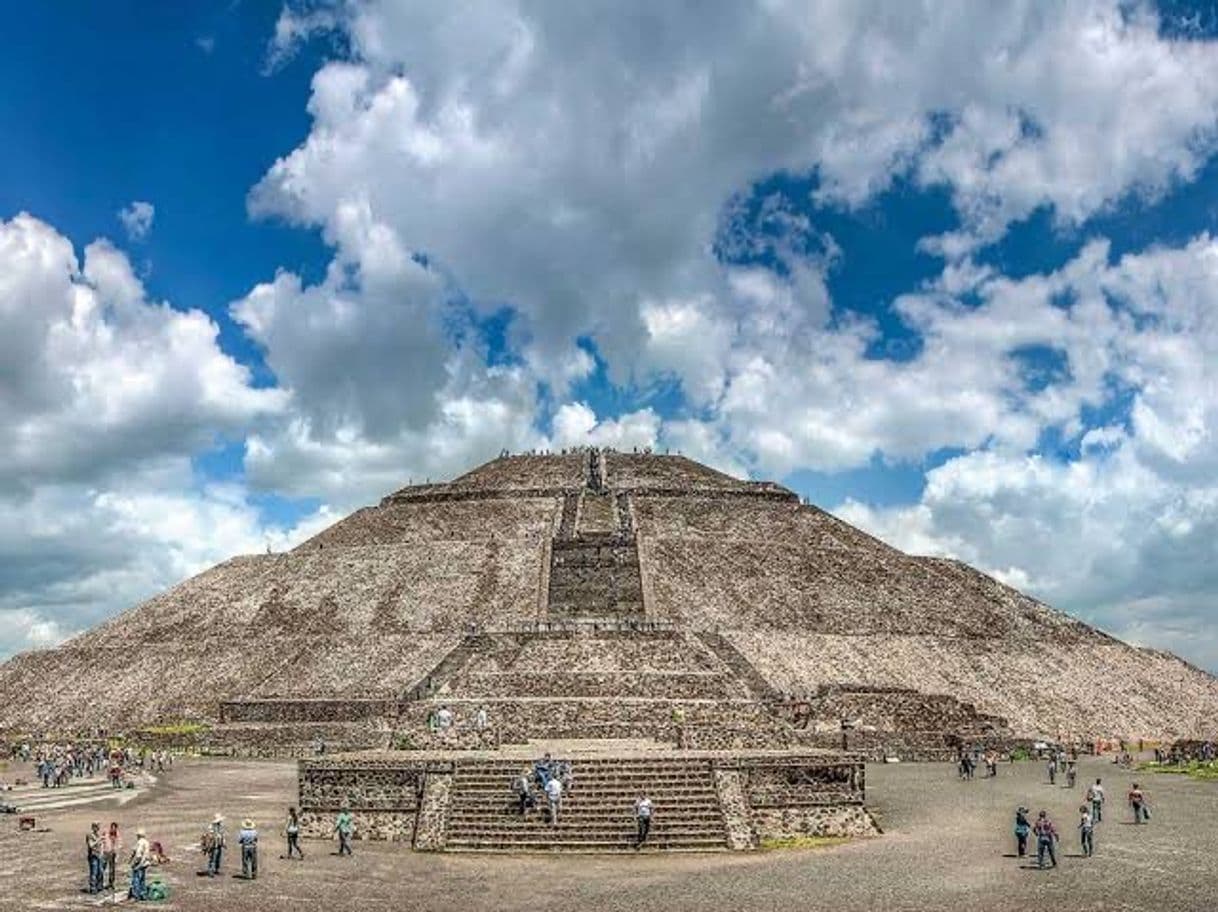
[247, 838]
[215, 847]
[141, 859]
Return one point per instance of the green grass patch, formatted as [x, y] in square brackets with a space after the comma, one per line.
[803, 842]
[1194, 769]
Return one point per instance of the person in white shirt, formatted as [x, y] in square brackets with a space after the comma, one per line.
[444, 719]
[141, 859]
[481, 720]
[1095, 794]
[642, 814]
[554, 793]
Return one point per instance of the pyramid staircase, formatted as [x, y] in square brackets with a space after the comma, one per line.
[597, 811]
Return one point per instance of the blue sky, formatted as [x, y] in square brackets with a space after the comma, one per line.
[955, 286]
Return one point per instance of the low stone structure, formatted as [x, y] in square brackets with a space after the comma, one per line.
[705, 800]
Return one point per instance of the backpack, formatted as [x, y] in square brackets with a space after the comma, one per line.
[207, 841]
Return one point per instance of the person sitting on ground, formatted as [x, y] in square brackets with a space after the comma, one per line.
[1046, 838]
[642, 816]
[554, 794]
[141, 859]
[247, 838]
[1085, 830]
[292, 832]
[1022, 828]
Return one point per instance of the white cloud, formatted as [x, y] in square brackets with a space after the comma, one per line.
[137, 219]
[576, 424]
[72, 555]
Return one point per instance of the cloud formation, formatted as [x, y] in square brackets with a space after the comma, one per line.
[137, 219]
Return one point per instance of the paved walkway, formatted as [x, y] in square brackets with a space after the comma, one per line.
[947, 846]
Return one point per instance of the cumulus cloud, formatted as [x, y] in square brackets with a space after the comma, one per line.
[106, 396]
[1123, 529]
[97, 376]
[137, 219]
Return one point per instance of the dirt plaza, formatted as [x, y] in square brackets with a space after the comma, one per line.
[946, 844]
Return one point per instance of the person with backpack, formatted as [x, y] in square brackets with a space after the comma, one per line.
[1095, 794]
[1022, 828]
[213, 845]
[1085, 830]
[1046, 839]
[292, 832]
[1137, 801]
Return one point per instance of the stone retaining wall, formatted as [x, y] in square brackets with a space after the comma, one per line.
[406, 795]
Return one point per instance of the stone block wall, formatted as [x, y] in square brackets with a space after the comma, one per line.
[406, 795]
[344, 710]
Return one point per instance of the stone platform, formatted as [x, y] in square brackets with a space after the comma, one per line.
[704, 800]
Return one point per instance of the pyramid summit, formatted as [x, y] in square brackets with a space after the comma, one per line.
[596, 593]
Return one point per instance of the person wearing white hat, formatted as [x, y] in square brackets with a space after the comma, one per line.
[141, 859]
[215, 848]
[248, 840]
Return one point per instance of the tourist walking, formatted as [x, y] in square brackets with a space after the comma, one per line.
[93, 856]
[141, 859]
[522, 788]
[1071, 773]
[482, 721]
[1095, 794]
[247, 838]
[1046, 839]
[1085, 830]
[292, 831]
[214, 845]
[1022, 828]
[344, 826]
[1137, 801]
[554, 795]
[111, 846]
[642, 816]
[1052, 771]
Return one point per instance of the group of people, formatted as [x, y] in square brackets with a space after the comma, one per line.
[102, 851]
[968, 761]
[215, 839]
[1090, 815]
[554, 779]
[442, 721]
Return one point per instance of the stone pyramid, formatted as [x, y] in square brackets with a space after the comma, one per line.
[596, 578]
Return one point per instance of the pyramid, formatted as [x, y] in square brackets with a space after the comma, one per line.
[601, 592]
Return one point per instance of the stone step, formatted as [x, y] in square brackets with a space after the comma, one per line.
[624, 845]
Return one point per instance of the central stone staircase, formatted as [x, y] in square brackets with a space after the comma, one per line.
[597, 811]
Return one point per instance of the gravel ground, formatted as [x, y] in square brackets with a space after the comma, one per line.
[947, 844]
